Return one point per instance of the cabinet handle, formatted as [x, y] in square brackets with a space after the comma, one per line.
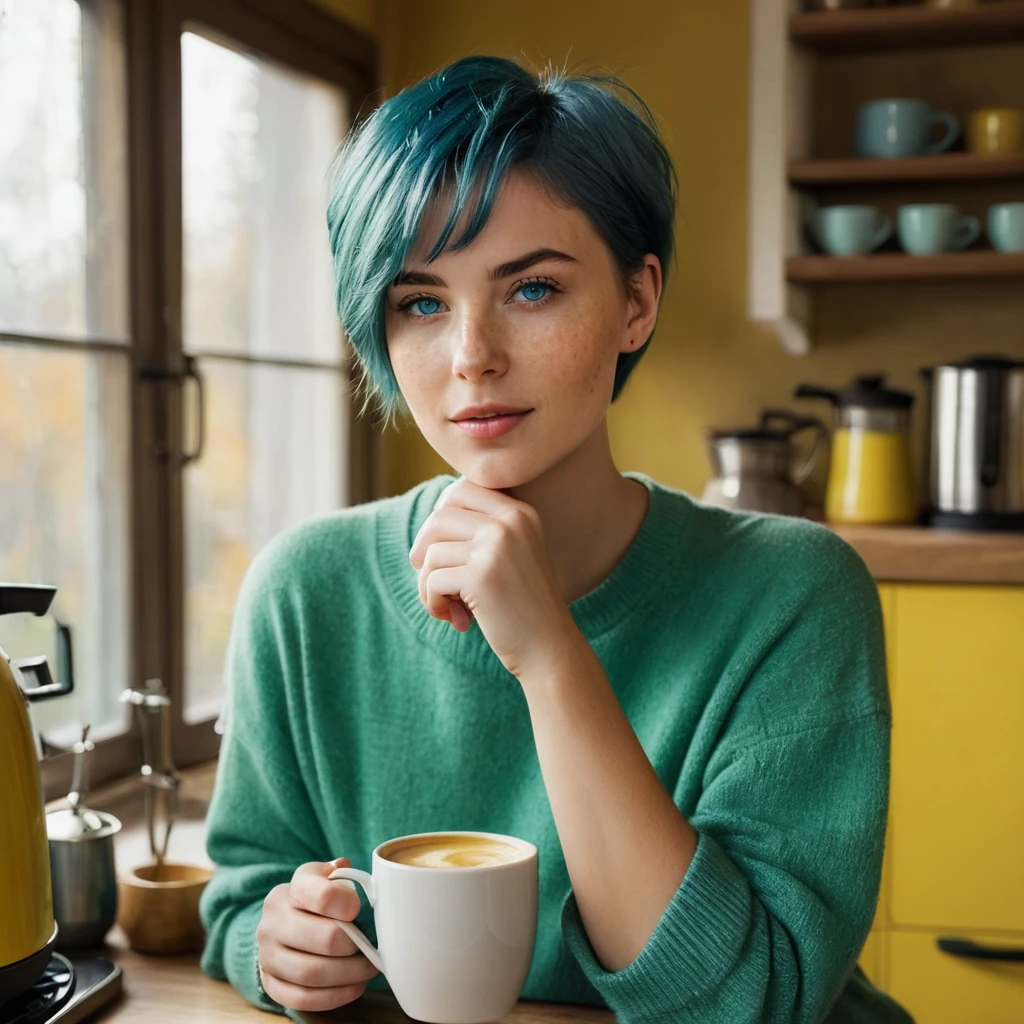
[966, 948]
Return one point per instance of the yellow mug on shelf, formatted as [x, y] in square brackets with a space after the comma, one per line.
[996, 130]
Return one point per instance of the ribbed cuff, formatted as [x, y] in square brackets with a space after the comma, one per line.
[696, 943]
[240, 959]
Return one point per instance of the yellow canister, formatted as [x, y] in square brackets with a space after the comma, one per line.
[870, 480]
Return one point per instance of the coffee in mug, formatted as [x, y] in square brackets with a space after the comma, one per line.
[451, 851]
[456, 920]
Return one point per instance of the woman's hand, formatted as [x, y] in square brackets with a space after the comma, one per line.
[484, 551]
[306, 961]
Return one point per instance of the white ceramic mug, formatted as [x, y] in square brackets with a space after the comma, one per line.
[455, 944]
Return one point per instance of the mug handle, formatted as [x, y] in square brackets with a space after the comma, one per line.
[882, 235]
[367, 948]
[952, 123]
[967, 231]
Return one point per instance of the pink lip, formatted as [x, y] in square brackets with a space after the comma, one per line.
[493, 427]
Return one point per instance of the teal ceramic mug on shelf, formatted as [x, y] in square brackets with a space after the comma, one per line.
[1006, 227]
[894, 128]
[928, 228]
[848, 230]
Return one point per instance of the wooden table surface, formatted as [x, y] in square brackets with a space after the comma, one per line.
[173, 990]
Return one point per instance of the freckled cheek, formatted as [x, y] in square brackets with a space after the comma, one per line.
[578, 353]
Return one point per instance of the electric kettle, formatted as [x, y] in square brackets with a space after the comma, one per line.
[869, 478]
[28, 930]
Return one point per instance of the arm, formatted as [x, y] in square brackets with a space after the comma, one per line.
[261, 825]
[762, 918]
[604, 794]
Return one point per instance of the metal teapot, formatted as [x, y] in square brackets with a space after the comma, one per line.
[755, 468]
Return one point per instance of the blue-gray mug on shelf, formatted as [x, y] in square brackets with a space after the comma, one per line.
[928, 228]
[1006, 227]
[849, 230]
[902, 127]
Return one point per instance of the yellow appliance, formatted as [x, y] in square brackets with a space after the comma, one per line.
[29, 931]
[870, 480]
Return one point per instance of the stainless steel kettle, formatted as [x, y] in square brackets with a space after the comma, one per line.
[976, 458]
[28, 930]
[755, 467]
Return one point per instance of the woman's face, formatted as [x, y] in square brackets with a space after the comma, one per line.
[532, 315]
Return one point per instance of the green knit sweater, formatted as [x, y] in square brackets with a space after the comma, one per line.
[746, 651]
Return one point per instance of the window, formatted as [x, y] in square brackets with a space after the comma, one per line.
[168, 342]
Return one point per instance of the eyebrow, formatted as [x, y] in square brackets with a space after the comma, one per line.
[516, 266]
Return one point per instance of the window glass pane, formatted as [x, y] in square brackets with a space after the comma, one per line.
[257, 141]
[275, 454]
[63, 263]
[64, 521]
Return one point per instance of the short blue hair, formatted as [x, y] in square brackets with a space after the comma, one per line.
[588, 138]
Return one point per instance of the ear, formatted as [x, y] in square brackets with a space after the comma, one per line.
[642, 306]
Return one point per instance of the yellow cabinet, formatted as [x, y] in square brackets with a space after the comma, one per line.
[956, 840]
[937, 988]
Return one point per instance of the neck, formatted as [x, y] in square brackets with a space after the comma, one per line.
[589, 511]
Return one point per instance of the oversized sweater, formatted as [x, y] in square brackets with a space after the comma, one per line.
[746, 651]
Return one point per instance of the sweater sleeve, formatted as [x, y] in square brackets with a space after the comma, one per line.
[774, 909]
[778, 900]
[260, 824]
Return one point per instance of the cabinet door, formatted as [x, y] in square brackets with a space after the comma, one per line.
[957, 791]
[887, 596]
[938, 988]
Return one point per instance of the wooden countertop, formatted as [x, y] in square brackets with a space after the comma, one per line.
[919, 554]
[172, 989]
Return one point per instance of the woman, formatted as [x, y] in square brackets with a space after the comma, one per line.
[685, 709]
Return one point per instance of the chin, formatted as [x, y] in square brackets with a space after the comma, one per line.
[497, 471]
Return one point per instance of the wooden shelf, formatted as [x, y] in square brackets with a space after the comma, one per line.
[899, 266]
[908, 28]
[922, 554]
[946, 167]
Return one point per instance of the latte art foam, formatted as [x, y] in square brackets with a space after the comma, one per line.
[453, 852]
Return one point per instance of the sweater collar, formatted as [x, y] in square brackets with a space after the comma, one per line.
[613, 603]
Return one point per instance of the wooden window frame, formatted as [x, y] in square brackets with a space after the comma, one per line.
[307, 39]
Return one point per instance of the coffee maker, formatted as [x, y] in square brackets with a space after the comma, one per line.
[37, 984]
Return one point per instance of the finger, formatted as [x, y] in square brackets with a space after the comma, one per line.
[311, 890]
[298, 998]
[310, 970]
[444, 493]
[459, 616]
[466, 494]
[445, 524]
[444, 554]
[311, 933]
[441, 587]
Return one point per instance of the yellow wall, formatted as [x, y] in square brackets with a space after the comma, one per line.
[707, 364]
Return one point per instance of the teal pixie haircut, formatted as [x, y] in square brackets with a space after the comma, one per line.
[590, 139]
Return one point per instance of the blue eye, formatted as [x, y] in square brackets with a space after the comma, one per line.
[535, 291]
[424, 307]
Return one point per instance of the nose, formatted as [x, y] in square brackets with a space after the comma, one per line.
[479, 347]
